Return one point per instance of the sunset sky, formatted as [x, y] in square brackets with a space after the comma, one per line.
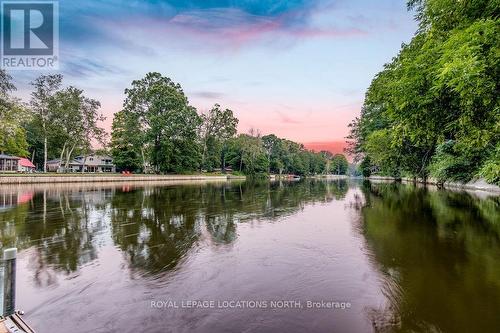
[297, 68]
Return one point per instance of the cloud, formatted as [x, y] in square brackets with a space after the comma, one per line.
[285, 118]
[207, 94]
[208, 24]
[81, 67]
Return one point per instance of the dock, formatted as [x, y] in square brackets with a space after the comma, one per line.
[14, 324]
[10, 319]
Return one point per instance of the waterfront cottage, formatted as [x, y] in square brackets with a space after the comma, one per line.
[92, 164]
[9, 163]
[96, 163]
[56, 166]
[25, 165]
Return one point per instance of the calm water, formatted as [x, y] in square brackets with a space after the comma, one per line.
[130, 258]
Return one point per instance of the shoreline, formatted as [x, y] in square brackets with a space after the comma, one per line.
[91, 178]
[328, 177]
[477, 185]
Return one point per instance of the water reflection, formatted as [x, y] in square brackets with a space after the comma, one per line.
[410, 259]
[440, 254]
[154, 226]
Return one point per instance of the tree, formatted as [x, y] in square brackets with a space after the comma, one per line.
[45, 87]
[246, 154]
[434, 109]
[67, 121]
[339, 164]
[365, 167]
[74, 120]
[127, 146]
[274, 149]
[217, 127]
[12, 114]
[90, 126]
[169, 123]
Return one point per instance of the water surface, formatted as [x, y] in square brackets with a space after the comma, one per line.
[131, 258]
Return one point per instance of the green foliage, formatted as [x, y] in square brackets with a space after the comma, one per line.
[441, 88]
[491, 167]
[246, 154]
[169, 123]
[12, 114]
[15, 143]
[275, 151]
[339, 164]
[74, 120]
[447, 164]
[218, 126]
[158, 127]
[127, 142]
[45, 87]
[365, 167]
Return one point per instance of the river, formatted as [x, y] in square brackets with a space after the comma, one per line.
[308, 256]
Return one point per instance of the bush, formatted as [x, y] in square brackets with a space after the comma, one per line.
[365, 167]
[448, 165]
[490, 170]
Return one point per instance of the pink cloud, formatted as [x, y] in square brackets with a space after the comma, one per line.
[285, 118]
[224, 27]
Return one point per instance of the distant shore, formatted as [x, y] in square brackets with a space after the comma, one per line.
[85, 178]
[477, 185]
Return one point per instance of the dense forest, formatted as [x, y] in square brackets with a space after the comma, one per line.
[433, 111]
[157, 131]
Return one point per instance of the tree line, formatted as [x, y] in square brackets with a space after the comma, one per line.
[156, 131]
[433, 111]
[159, 131]
[57, 122]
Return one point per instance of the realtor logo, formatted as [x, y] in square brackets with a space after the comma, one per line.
[30, 35]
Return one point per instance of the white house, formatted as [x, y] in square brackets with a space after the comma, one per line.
[96, 163]
[93, 163]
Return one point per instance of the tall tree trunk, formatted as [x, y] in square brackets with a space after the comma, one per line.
[68, 156]
[203, 154]
[84, 160]
[143, 160]
[62, 155]
[45, 154]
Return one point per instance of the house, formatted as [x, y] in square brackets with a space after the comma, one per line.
[55, 165]
[93, 163]
[96, 163]
[9, 163]
[25, 165]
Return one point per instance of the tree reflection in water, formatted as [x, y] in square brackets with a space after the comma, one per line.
[439, 253]
[154, 226]
[434, 255]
